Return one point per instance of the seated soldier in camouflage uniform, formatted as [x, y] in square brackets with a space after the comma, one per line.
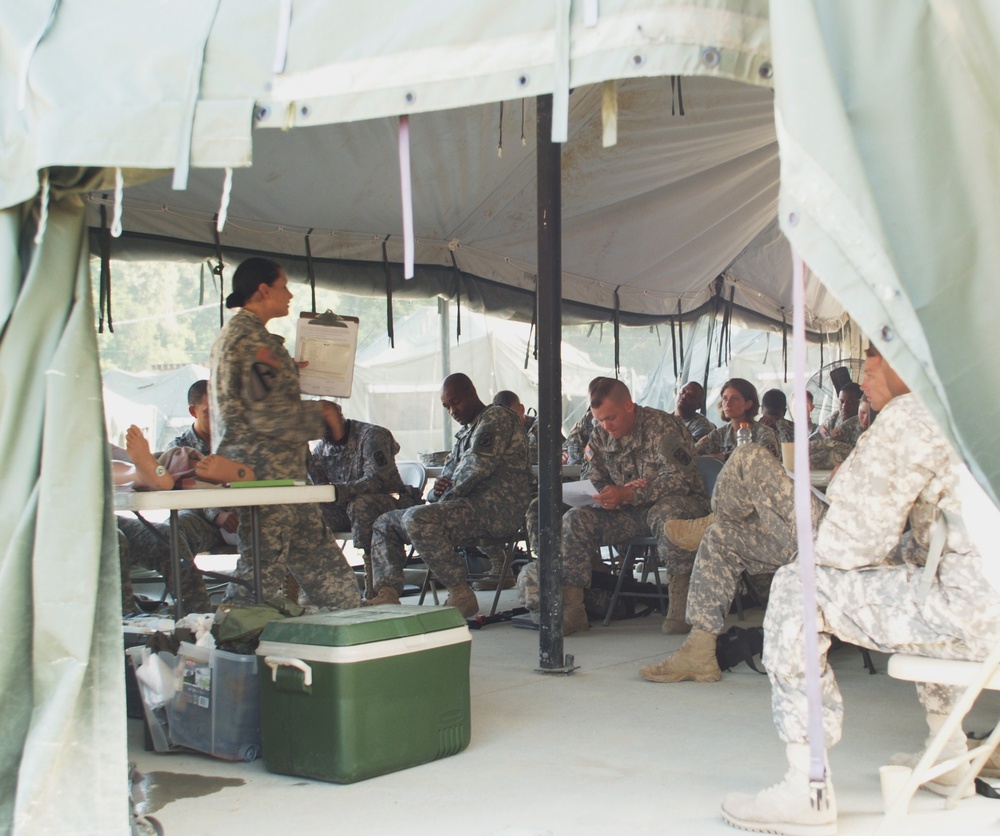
[148, 543]
[641, 460]
[774, 405]
[360, 461]
[878, 586]
[483, 492]
[752, 528]
[576, 441]
[740, 404]
[690, 400]
[827, 453]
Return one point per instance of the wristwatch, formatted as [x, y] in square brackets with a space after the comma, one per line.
[161, 470]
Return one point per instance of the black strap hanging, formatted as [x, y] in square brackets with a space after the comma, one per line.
[675, 86]
[201, 284]
[104, 301]
[729, 326]
[822, 337]
[390, 329]
[673, 345]
[727, 314]
[617, 322]
[458, 297]
[310, 270]
[680, 332]
[219, 270]
[767, 347]
[531, 331]
[784, 343]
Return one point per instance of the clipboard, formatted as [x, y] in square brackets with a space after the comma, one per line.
[329, 343]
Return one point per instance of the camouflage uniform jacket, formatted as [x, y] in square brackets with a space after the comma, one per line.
[532, 432]
[723, 439]
[785, 430]
[363, 462]
[698, 425]
[849, 431]
[659, 449]
[578, 438]
[901, 470]
[256, 408]
[189, 438]
[489, 460]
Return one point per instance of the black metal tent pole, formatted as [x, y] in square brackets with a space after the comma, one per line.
[549, 301]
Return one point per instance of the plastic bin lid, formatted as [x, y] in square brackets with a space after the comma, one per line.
[363, 625]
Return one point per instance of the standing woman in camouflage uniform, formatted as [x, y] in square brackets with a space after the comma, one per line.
[258, 417]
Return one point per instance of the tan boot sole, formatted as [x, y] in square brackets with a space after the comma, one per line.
[651, 675]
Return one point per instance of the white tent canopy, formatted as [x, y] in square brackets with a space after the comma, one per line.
[677, 202]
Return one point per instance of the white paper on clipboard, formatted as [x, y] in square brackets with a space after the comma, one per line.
[329, 344]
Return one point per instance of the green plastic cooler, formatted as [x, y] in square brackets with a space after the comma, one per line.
[352, 694]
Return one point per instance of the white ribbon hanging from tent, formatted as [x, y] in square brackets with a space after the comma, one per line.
[804, 529]
[406, 187]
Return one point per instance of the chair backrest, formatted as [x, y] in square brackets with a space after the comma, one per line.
[709, 469]
[413, 474]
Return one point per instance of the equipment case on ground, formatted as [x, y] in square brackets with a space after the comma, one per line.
[357, 693]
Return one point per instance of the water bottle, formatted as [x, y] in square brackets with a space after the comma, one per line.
[743, 434]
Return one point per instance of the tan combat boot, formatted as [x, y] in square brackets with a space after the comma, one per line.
[677, 599]
[790, 807]
[694, 660]
[687, 534]
[386, 595]
[493, 578]
[956, 747]
[463, 599]
[574, 614]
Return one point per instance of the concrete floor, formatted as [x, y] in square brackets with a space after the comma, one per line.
[597, 752]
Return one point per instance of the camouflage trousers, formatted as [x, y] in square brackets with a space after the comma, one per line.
[140, 546]
[531, 524]
[436, 530]
[358, 516]
[754, 531]
[828, 453]
[294, 539]
[878, 608]
[585, 530]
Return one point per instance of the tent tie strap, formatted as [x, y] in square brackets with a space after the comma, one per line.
[311, 270]
[116, 221]
[43, 209]
[390, 329]
[227, 190]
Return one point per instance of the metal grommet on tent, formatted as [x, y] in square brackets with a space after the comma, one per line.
[410, 97]
[523, 79]
[887, 333]
[766, 70]
[710, 56]
[304, 111]
[263, 112]
[793, 218]
[638, 59]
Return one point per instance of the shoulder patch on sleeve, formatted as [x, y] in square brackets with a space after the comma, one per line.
[588, 453]
[380, 458]
[682, 456]
[484, 441]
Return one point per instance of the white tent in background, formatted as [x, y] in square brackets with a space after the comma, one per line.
[155, 402]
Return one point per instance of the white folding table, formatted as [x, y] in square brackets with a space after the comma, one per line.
[252, 498]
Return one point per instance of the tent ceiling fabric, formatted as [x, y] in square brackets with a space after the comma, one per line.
[677, 202]
[888, 119]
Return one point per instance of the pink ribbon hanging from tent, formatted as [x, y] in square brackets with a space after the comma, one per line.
[406, 187]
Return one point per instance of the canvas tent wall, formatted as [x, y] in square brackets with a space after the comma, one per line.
[887, 132]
